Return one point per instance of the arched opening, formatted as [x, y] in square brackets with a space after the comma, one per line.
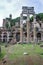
[5, 37]
[38, 36]
[18, 37]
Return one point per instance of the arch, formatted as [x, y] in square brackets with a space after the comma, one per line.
[4, 37]
[17, 36]
[38, 36]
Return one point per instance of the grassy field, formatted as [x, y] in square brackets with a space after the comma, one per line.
[17, 51]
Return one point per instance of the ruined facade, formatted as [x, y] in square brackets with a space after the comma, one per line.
[23, 31]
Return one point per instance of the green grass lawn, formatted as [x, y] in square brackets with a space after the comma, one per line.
[15, 51]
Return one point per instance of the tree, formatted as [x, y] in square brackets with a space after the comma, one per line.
[39, 17]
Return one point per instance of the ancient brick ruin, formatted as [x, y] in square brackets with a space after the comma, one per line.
[23, 31]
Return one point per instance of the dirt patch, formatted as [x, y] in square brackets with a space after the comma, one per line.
[25, 60]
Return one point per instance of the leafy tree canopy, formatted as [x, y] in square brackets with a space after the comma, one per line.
[39, 17]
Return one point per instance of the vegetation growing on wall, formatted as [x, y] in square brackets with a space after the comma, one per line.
[39, 17]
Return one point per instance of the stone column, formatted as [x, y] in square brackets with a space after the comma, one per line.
[34, 30]
[28, 29]
[34, 34]
[21, 28]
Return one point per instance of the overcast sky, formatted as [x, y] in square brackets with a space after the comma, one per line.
[14, 7]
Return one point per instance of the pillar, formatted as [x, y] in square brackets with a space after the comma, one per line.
[21, 28]
[34, 29]
[28, 29]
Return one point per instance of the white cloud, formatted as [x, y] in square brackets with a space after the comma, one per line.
[14, 7]
[8, 7]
